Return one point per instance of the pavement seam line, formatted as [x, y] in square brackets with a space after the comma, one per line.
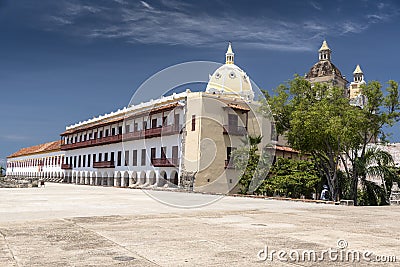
[119, 245]
[8, 247]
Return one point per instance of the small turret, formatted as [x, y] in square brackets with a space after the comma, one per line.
[358, 74]
[325, 52]
[229, 55]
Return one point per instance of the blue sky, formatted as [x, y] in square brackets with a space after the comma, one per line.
[68, 60]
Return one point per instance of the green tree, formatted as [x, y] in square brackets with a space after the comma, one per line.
[381, 111]
[318, 119]
[377, 164]
[1, 170]
[291, 178]
[253, 164]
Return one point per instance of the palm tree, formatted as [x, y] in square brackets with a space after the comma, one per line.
[246, 159]
[379, 164]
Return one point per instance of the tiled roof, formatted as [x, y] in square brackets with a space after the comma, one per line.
[47, 147]
[119, 118]
[286, 149]
[237, 106]
[164, 108]
[103, 122]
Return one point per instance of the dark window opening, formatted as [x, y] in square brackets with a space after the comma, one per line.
[119, 158]
[134, 157]
[154, 123]
[175, 152]
[193, 122]
[126, 158]
[143, 162]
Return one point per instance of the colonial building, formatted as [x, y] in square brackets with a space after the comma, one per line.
[40, 161]
[182, 139]
[324, 71]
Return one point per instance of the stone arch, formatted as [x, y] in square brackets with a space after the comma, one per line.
[117, 179]
[78, 178]
[125, 179]
[92, 178]
[133, 178]
[87, 177]
[151, 178]
[142, 177]
[81, 177]
[110, 179]
[104, 178]
[173, 178]
[163, 178]
[68, 177]
[99, 178]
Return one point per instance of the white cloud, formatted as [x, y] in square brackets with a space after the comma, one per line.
[316, 5]
[146, 5]
[352, 27]
[15, 137]
[171, 22]
[122, 2]
[59, 20]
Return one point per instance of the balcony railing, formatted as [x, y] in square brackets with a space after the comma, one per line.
[148, 133]
[66, 166]
[165, 162]
[235, 130]
[93, 142]
[103, 164]
[229, 164]
[162, 130]
[133, 135]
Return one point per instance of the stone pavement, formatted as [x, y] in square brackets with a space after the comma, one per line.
[76, 225]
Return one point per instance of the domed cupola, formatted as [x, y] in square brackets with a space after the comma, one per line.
[230, 80]
[324, 71]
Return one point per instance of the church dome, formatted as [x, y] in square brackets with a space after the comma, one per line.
[229, 79]
[323, 68]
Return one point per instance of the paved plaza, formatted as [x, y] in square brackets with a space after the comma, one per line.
[76, 225]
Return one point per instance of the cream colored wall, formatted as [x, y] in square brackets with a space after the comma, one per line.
[205, 148]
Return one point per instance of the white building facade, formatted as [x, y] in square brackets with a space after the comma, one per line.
[41, 161]
[160, 142]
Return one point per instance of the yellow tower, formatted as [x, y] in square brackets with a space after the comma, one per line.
[358, 81]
